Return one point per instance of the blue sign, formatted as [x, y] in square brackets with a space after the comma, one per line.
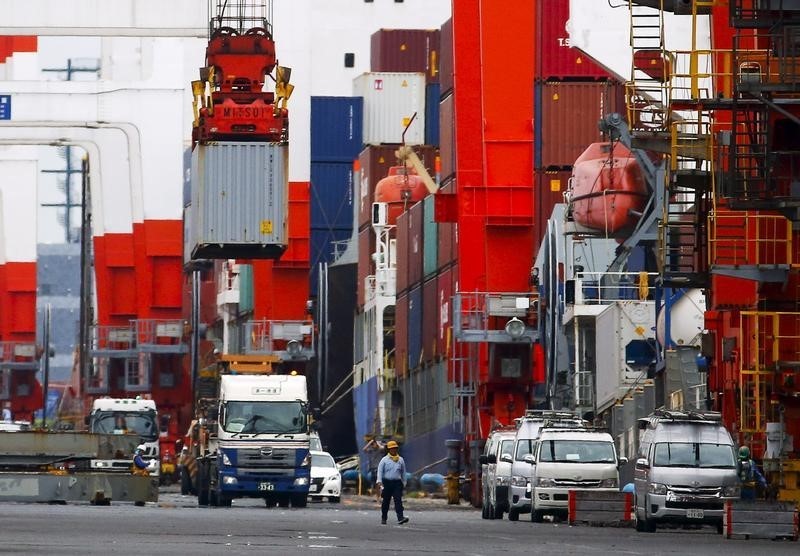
[5, 107]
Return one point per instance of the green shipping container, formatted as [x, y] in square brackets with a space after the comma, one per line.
[245, 288]
[430, 236]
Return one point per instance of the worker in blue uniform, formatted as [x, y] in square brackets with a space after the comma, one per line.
[392, 481]
[749, 475]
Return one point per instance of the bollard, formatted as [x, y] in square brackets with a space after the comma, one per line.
[453, 470]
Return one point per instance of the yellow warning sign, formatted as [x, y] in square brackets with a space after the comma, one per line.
[555, 185]
[405, 121]
[266, 226]
[404, 84]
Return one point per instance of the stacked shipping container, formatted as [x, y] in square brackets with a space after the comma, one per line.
[336, 139]
[572, 94]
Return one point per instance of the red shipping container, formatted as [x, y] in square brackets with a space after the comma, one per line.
[550, 188]
[570, 112]
[447, 235]
[446, 58]
[401, 335]
[430, 320]
[416, 228]
[366, 247]
[401, 235]
[558, 60]
[375, 162]
[406, 50]
[447, 135]
[444, 304]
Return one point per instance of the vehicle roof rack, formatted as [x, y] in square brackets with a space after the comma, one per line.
[688, 415]
[552, 414]
[562, 428]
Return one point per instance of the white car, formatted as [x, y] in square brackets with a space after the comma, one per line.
[326, 480]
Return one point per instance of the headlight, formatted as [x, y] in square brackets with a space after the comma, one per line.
[501, 481]
[300, 481]
[528, 489]
[519, 481]
[656, 488]
[731, 491]
[229, 480]
[225, 459]
[333, 478]
[608, 483]
[545, 482]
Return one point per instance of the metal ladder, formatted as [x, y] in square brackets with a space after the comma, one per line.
[647, 93]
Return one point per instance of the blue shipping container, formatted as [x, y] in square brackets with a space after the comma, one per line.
[326, 245]
[337, 125]
[332, 195]
[432, 114]
[414, 327]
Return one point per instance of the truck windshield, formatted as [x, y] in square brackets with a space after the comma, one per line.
[524, 447]
[576, 451]
[693, 454]
[125, 422]
[253, 417]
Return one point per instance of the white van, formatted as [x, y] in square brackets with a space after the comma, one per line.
[685, 470]
[571, 459]
[495, 470]
[528, 427]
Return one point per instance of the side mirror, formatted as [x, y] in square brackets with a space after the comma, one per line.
[529, 459]
[506, 458]
[642, 463]
[483, 459]
[491, 458]
[622, 461]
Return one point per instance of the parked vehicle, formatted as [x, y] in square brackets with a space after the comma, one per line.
[495, 470]
[326, 480]
[567, 459]
[519, 473]
[685, 470]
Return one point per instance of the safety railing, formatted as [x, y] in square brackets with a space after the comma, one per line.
[750, 238]
[482, 316]
[160, 335]
[599, 288]
[113, 338]
[287, 339]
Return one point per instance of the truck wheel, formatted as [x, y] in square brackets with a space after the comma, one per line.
[283, 502]
[299, 501]
[537, 516]
[334, 499]
[484, 511]
[223, 500]
[213, 500]
[513, 514]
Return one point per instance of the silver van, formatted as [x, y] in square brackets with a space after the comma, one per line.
[685, 470]
[495, 468]
[519, 479]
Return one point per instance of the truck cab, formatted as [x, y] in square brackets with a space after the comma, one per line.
[131, 416]
[261, 445]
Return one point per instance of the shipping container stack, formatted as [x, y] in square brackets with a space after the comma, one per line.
[404, 80]
[572, 94]
[336, 140]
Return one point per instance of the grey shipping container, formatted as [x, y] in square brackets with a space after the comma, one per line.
[239, 200]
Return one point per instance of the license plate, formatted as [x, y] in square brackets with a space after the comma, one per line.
[312, 488]
[694, 514]
[266, 486]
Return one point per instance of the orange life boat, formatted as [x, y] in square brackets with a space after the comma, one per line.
[607, 190]
[401, 188]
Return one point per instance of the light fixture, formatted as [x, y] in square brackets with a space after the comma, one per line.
[294, 348]
[515, 328]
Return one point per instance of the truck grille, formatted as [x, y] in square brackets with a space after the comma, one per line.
[571, 483]
[267, 458]
[690, 497]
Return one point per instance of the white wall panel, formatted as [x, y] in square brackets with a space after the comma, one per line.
[18, 179]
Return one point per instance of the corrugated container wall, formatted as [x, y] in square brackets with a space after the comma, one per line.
[430, 237]
[550, 188]
[432, 114]
[444, 287]
[375, 162]
[390, 100]
[325, 246]
[447, 137]
[446, 58]
[401, 335]
[415, 327]
[569, 116]
[557, 60]
[430, 319]
[446, 252]
[401, 235]
[414, 50]
[366, 247]
[239, 200]
[336, 128]
[332, 195]
[416, 238]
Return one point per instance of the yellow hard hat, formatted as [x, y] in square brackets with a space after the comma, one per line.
[391, 444]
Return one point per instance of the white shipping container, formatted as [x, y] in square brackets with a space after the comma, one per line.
[390, 100]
